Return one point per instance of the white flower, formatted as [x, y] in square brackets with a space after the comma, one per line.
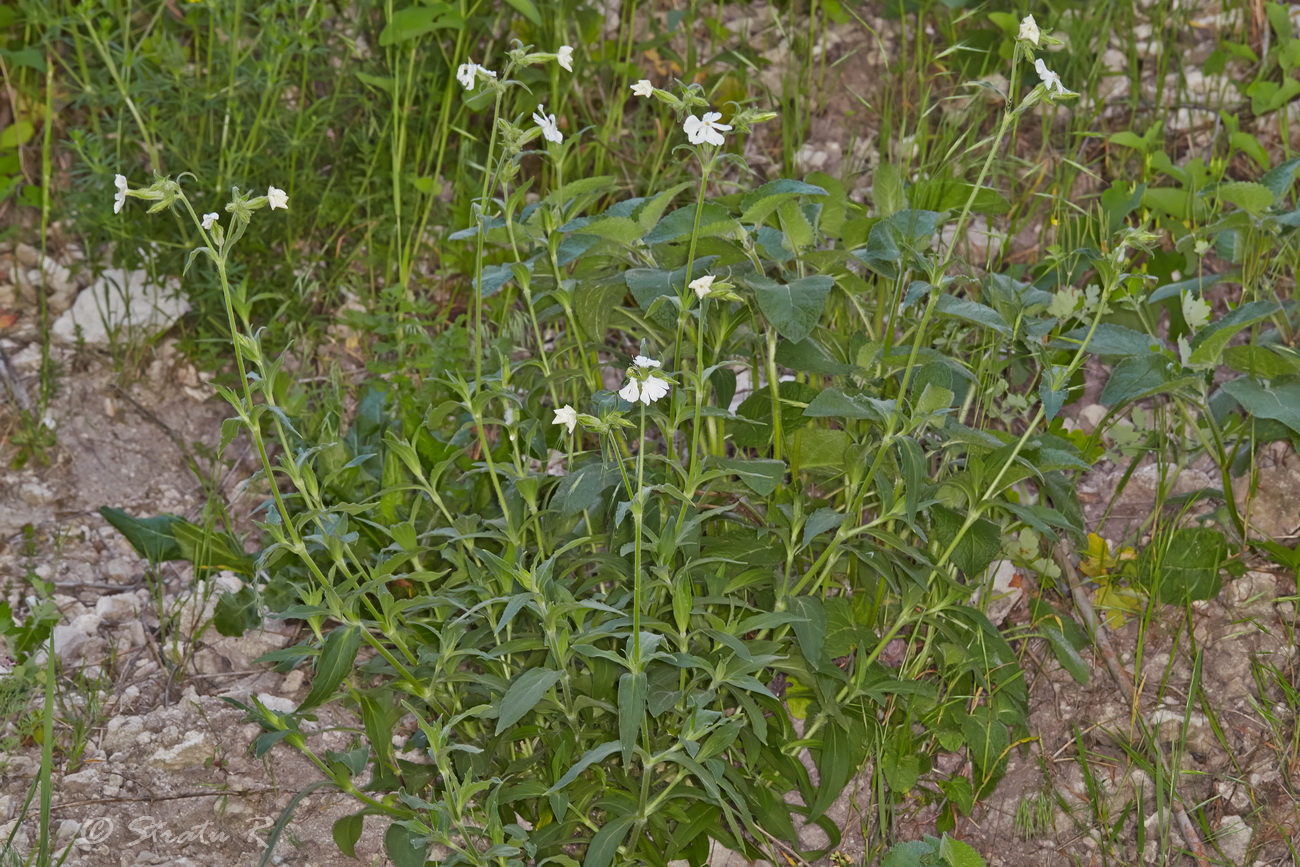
[707, 130]
[1029, 29]
[550, 131]
[643, 88]
[642, 361]
[465, 75]
[564, 57]
[702, 285]
[567, 416]
[277, 198]
[630, 392]
[210, 220]
[1051, 80]
[119, 199]
[654, 388]
[647, 391]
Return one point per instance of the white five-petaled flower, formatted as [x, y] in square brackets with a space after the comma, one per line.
[1051, 80]
[1029, 29]
[567, 416]
[643, 88]
[564, 57]
[277, 198]
[647, 391]
[119, 198]
[642, 361]
[550, 131]
[467, 74]
[707, 129]
[210, 220]
[702, 285]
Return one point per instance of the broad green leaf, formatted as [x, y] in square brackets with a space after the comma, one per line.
[337, 655]
[760, 476]
[902, 771]
[1110, 339]
[210, 550]
[955, 853]
[1259, 361]
[887, 190]
[795, 397]
[819, 522]
[632, 689]
[523, 695]
[238, 612]
[715, 220]
[622, 230]
[794, 308]
[971, 311]
[807, 357]
[1279, 402]
[152, 538]
[913, 853]
[589, 758]
[810, 628]
[1065, 653]
[604, 845]
[987, 743]
[1196, 286]
[977, 547]
[347, 831]
[15, 134]
[840, 403]
[404, 847]
[1136, 377]
[416, 21]
[1209, 343]
[759, 204]
[821, 447]
[1188, 568]
[1249, 196]
[527, 9]
[1280, 178]
[798, 230]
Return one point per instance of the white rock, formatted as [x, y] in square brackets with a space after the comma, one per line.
[1233, 838]
[121, 305]
[192, 751]
[68, 642]
[117, 608]
[87, 623]
[35, 494]
[277, 703]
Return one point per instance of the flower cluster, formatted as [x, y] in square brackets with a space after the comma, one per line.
[468, 74]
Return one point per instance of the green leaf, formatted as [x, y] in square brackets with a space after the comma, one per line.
[1065, 653]
[760, 476]
[901, 771]
[622, 230]
[632, 689]
[1208, 344]
[793, 308]
[523, 695]
[337, 655]
[715, 220]
[1136, 377]
[404, 847]
[955, 853]
[416, 21]
[887, 190]
[759, 204]
[840, 403]
[1259, 361]
[976, 549]
[236, 613]
[819, 522]
[152, 538]
[210, 550]
[604, 845]
[807, 357]
[820, 447]
[1247, 195]
[527, 9]
[1188, 568]
[15, 134]
[589, 758]
[971, 311]
[1110, 339]
[1278, 402]
[347, 831]
[909, 854]
[810, 628]
[987, 743]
